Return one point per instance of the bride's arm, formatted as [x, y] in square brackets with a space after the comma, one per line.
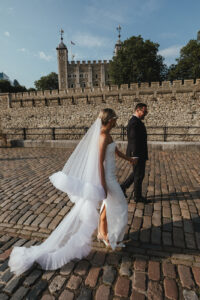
[102, 150]
[122, 155]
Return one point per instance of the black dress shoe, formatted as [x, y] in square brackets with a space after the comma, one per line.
[124, 191]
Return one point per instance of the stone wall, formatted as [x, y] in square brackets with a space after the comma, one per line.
[169, 104]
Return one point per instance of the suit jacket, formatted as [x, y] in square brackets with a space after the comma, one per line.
[137, 139]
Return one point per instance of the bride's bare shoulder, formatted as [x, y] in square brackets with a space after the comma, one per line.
[104, 138]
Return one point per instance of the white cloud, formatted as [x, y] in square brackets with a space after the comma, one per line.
[89, 40]
[172, 51]
[43, 56]
[22, 49]
[6, 33]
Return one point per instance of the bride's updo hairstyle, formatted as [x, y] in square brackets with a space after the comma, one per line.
[106, 115]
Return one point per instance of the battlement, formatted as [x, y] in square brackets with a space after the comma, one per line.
[89, 62]
[152, 88]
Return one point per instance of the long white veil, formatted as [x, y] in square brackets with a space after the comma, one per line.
[80, 179]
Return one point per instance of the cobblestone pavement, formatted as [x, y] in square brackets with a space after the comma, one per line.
[161, 259]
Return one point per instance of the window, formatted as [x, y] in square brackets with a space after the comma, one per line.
[69, 76]
[74, 75]
[81, 75]
[72, 85]
[96, 75]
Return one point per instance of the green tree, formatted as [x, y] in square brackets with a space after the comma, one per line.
[137, 61]
[15, 83]
[188, 64]
[6, 87]
[49, 82]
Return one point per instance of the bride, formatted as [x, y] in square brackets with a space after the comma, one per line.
[88, 177]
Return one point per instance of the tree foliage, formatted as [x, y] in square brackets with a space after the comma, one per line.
[6, 87]
[137, 61]
[49, 82]
[188, 64]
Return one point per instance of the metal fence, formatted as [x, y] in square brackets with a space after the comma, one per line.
[155, 133]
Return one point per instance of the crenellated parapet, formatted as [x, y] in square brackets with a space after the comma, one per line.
[89, 62]
[153, 88]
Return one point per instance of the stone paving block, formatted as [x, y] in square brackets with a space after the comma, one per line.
[139, 281]
[169, 270]
[155, 290]
[109, 274]
[167, 238]
[98, 259]
[154, 270]
[156, 236]
[125, 268]
[171, 290]
[19, 294]
[137, 296]
[12, 285]
[56, 284]
[6, 276]
[122, 287]
[196, 273]
[189, 295]
[145, 235]
[82, 267]
[92, 277]
[32, 277]
[74, 282]
[140, 265]
[85, 294]
[66, 295]
[37, 290]
[113, 259]
[190, 241]
[4, 296]
[102, 293]
[185, 276]
[67, 269]
[178, 237]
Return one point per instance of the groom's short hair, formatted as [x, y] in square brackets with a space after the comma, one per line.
[140, 105]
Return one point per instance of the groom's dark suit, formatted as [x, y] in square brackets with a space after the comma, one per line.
[137, 146]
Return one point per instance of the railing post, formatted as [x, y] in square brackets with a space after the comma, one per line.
[24, 133]
[123, 132]
[165, 133]
[53, 133]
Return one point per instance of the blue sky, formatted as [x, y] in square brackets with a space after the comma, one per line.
[29, 30]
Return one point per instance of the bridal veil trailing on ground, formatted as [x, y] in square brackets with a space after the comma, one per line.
[80, 179]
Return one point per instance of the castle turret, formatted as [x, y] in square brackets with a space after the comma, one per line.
[62, 56]
[118, 45]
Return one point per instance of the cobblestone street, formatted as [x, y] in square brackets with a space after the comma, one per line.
[161, 259]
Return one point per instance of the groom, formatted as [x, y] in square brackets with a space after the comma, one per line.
[137, 147]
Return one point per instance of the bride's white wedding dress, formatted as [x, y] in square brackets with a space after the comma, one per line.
[72, 237]
[115, 203]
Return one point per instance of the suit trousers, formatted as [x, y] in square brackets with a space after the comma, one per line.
[137, 177]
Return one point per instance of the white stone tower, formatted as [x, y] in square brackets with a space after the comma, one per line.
[62, 56]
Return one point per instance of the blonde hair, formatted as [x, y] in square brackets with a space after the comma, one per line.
[106, 115]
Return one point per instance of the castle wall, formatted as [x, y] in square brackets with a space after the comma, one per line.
[169, 104]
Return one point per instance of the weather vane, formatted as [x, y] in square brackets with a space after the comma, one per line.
[119, 30]
[61, 34]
